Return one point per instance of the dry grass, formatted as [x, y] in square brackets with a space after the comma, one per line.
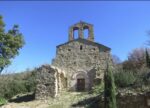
[64, 100]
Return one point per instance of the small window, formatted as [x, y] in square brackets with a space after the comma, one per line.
[69, 49]
[80, 47]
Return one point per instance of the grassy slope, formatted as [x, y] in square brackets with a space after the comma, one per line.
[65, 100]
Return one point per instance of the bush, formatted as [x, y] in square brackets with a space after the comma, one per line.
[110, 89]
[98, 89]
[13, 88]
[14, 84]
[142, 77]
[30, 82]
[124, 79]
[2, 101]
[146, 78]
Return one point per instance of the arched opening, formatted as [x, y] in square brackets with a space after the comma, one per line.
[86, 32]
[80, 84]
[82, 81]
[63, 81]
[75, 32]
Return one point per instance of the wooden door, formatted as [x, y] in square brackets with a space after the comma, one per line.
[80, 84]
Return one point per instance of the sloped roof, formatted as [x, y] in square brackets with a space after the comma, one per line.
[85, 41]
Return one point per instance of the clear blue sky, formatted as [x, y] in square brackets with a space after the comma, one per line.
[122, 26]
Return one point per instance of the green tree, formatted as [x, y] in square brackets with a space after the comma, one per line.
[110, 92]
[147, 59]
[10, 43]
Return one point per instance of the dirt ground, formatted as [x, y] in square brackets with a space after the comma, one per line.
[64, 100]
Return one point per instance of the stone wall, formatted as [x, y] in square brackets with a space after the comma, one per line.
[77, 57]
[138, 101]
[135, 100]
[46, 82]
[49, 82]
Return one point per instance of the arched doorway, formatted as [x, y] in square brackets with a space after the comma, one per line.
[80, 84]
[82, 81]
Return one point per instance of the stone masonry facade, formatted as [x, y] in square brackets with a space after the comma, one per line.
[46, 82]
[82, 58]
[80, 63]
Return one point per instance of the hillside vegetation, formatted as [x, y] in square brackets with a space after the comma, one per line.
[13, 84]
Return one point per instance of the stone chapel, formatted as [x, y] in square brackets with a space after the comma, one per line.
[79, 64]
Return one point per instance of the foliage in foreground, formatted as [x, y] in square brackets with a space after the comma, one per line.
[14, 84]
[98, 89]
[124, 78]
[147, 58]
[110, 92]
[10, 43]
[2, 101]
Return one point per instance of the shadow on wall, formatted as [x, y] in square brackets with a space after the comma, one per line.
[92, 76]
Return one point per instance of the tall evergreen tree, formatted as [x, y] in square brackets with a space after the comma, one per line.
[147, 59]
[10, 43]
[110, 96]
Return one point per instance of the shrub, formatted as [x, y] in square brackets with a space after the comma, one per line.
[110, 89]
[142, 77]
[30, 82]
[146, 78]
[13, 88]
[2, 101]
[124, 78]
[14, 84]
[98, 89]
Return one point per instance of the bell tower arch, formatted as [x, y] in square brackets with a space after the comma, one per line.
[81, 26]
